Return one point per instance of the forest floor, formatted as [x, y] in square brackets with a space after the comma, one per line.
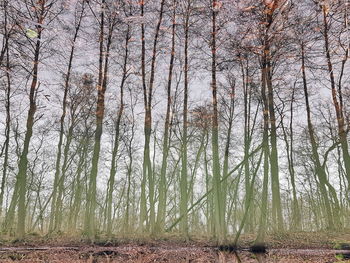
[315, 247]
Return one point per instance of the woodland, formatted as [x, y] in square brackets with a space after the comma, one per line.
[185, 118]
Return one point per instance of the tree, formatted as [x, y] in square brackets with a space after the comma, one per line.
[40, 11]
[337, 93]
[267, 78]
[147, 97]
[113, 171]
[319, 168]
[218, 209]
[104, 55]
[5, 55]
[161, 213]
[55, 212]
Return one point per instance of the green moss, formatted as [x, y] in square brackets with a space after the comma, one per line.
[341, 246]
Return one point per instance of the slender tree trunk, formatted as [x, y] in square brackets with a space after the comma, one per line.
[295, 223]
[194, 172]
[265, 148]
[147, 164]
[74, 211]
[6, 35]
[23, 161]
[209, 191]
[320, 172]
[295, 208]
[8, 125]
[143, 201]
[267, 68]
[90, 226]
[219, 218]
[64, 110]
[275, 182]
[60, 184]
[5, 53]
[129, 182]
[163, 182]
[209, 197]
[184, 139]
[246, 208]
[232, 94]
[117, 137]
[247, 140]
[337, 99]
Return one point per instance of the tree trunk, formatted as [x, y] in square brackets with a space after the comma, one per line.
[265, 148]
[267, 68]
[8, 122]
[64, 110]
[90, 226]
[275, 182]
[184, 139]
[147, 164]
[295, 223]
[117, 138]
[60, 184]
[21, 178]
[247, 140]
[338, 105]
[23, 162]
[232, 94]
[219, 218]
[165, 151]
[77, 192]
[143, 201]
[246, 208]
[320, 172]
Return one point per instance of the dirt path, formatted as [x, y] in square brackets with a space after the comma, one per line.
[147, 253]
